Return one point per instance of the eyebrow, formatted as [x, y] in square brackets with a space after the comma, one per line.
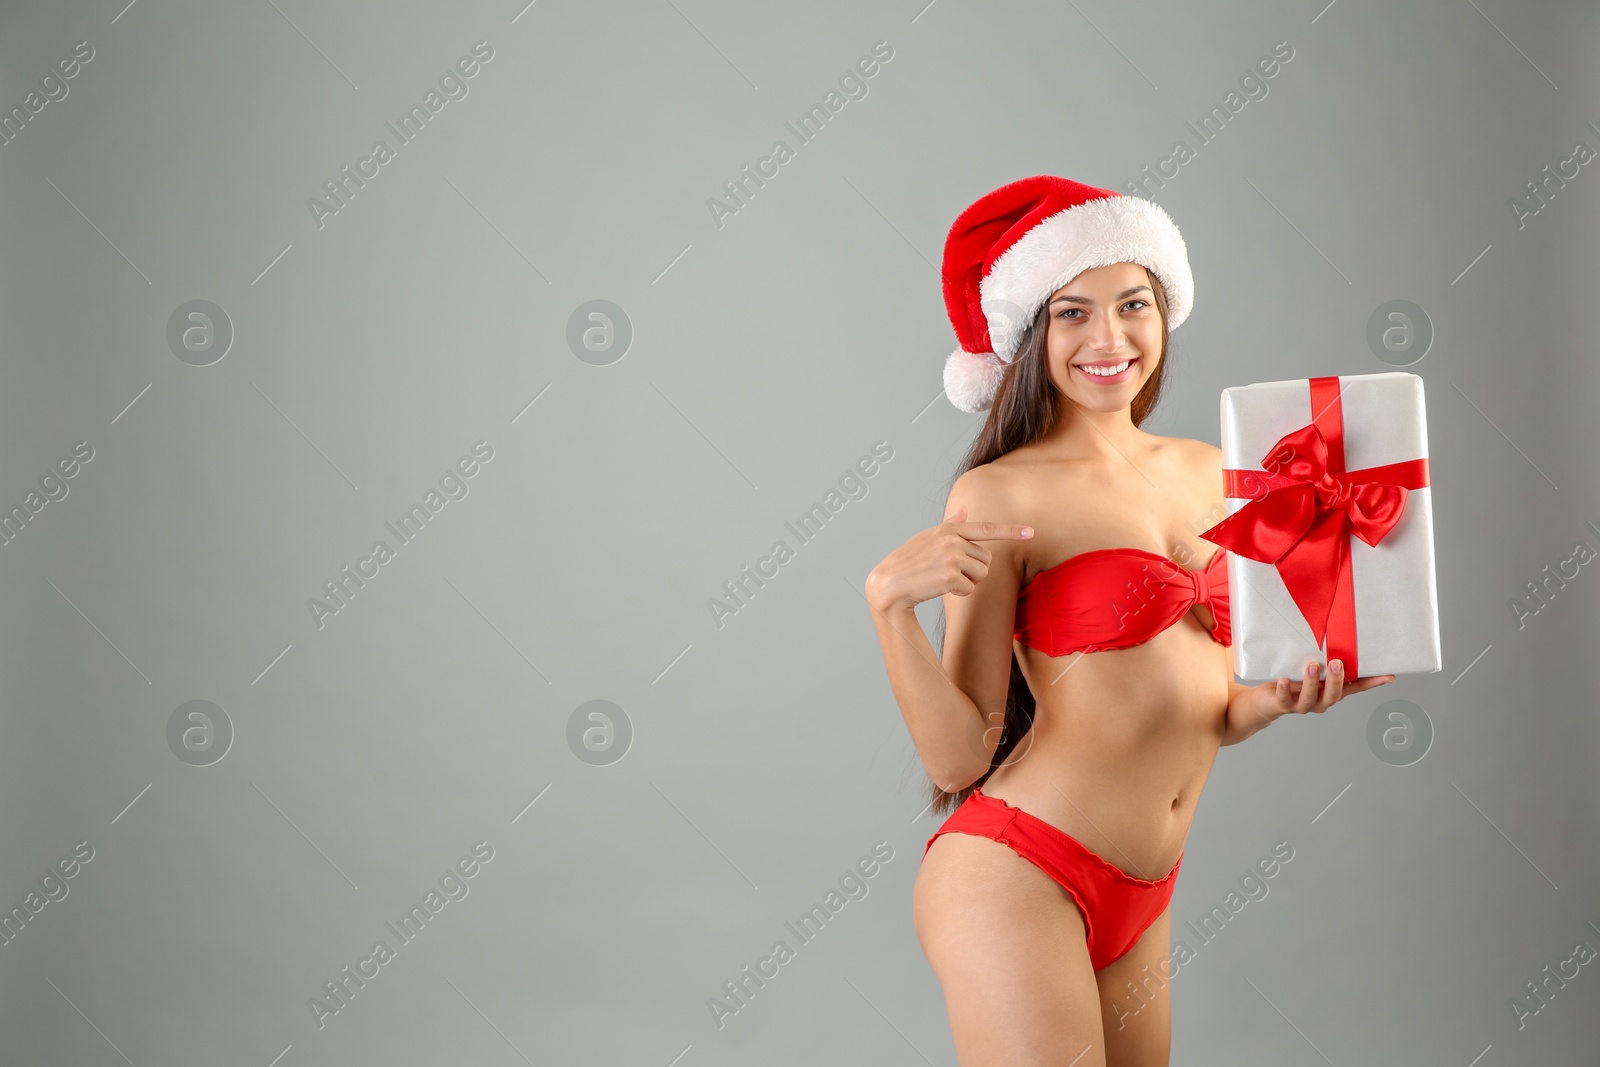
[1120, 296]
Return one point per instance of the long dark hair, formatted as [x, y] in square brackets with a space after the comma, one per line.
[1025, 409]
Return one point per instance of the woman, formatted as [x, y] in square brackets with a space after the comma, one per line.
[1085, 678]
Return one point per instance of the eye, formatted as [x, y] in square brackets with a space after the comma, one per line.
[1136, 304]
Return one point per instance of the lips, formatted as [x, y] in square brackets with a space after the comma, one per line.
[1102, 379]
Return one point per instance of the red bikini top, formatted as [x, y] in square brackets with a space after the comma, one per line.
[1116, 598]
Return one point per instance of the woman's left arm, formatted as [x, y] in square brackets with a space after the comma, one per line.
[1253, 708]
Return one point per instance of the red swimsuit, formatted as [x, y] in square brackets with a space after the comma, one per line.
[1117, 598]
[1103, 599]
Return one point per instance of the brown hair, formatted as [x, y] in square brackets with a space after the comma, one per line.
[1024, 410]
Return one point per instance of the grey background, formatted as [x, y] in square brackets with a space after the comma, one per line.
[768, 355]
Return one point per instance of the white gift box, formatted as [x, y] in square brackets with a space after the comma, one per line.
[1324, 465]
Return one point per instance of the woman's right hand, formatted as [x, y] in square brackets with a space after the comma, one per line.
[946, 558]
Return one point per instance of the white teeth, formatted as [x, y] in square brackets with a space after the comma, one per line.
[1103, 372]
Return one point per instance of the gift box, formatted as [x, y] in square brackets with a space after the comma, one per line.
[1329, 531]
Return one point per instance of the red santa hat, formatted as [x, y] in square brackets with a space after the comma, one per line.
[1013, 247]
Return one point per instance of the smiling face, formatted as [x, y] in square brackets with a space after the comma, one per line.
[1102, 319]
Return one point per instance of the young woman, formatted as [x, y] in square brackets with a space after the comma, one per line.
[1085, 677]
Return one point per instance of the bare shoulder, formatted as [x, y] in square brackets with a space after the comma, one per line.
[1188, 447]
[1197, 463]
[1202, 456]
[996, 492]
[992, 492]
[1205, 466]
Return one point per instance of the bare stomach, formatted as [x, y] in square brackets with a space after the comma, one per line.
[1121, 745]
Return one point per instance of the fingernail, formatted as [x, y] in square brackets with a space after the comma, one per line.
[1027, 531]
[1337, 666]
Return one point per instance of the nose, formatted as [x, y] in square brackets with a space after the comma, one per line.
[1105, 334]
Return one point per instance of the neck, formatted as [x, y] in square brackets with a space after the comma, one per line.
[1101, 436]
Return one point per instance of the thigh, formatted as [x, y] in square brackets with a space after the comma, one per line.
[1136, 998]
[1007, 945]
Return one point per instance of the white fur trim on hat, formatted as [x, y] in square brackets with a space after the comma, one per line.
[1096, 233]
[971, 378]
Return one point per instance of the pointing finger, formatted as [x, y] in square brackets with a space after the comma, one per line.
[993, 531]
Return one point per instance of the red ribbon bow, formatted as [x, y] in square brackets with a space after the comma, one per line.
[1304, 506]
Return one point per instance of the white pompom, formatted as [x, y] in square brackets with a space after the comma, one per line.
[971, 378]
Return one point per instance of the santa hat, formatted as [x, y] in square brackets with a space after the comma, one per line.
[1013, 247]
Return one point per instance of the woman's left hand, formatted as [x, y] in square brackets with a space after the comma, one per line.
[1313, 694]
[1257, 707]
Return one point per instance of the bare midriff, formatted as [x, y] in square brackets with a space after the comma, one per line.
[1122, 739]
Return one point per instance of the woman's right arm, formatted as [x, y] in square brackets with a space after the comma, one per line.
[954, 710]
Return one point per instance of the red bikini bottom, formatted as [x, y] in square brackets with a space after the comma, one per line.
[1117, 907]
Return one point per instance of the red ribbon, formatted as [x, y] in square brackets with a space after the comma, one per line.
[1304, 507]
